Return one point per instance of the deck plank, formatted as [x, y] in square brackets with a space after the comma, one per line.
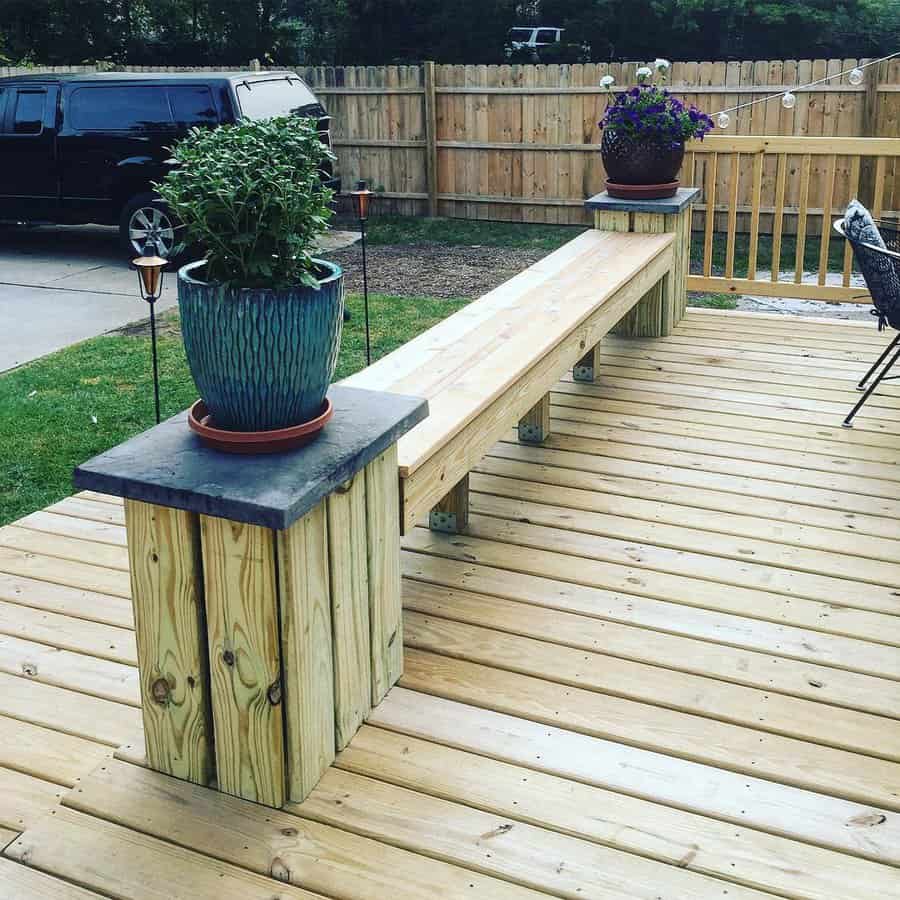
[535, 857]
[121, 863]
[50, 664]
[577, 490]
[781, 640]
[25, 799]
[75, 602]
[18, 882]
[699, 487]
[675, 654]
[68, 711]
[690, 841]
[540, 506]
[307, 854]
[857, 829]
[47, 754]
[480, 546]
[691, 737]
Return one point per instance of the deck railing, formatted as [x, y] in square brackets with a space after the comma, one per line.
[784, 192]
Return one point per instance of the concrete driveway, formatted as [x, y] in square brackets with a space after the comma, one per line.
[61, 285]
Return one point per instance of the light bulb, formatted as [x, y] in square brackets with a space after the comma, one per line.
[789, 100]
[855, 76]
[723, 120]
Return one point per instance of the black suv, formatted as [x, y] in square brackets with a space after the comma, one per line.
[79, 149]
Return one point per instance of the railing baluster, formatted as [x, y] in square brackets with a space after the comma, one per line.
[805, 167]
[878, 191]
[827, 203]
[709, 198]
[734, 180]
[778, 221]
[756, 203]
[854, 190]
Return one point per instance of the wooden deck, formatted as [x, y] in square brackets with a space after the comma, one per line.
[662, 663]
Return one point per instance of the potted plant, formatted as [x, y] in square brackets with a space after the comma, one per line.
[644, 132]
[260, 315]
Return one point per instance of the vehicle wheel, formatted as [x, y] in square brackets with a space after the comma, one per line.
[147, 227]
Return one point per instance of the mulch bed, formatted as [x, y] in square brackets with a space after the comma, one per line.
[432, 269]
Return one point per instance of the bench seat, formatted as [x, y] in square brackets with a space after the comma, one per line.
[485, 367]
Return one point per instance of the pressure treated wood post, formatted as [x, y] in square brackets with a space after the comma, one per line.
[451, 514]
[663, 306]
[587, 369]
[431, 171]
[167, 595]
[266, 594]
[534, 426]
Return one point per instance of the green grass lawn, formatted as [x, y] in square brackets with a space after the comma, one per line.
[517, 235]
[62, 409]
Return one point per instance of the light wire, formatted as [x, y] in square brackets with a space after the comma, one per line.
[801, 87]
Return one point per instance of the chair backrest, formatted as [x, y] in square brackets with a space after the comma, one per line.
[880, 269]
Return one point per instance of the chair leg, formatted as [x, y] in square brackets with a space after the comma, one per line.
[848, 422]
[862, 385]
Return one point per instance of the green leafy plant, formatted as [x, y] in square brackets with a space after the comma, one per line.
[252, 195]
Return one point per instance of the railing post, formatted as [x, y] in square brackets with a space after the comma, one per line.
[662, 307]
[431, 174]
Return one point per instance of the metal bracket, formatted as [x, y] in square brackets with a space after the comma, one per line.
[445, 522]
[583, 373]
[531, 433]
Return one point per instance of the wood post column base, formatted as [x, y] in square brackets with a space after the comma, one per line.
[663, 306]
[266, 597]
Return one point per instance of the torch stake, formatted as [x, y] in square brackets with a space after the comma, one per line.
[155, 362]
[362, 226]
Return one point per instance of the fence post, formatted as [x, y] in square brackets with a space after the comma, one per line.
[431, 138]
[869, 128]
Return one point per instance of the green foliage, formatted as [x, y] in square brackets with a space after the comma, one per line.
[712, 301]
[376, 32]
[251, 194]
[650, 111]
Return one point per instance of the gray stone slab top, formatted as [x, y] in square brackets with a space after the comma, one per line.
[670, 205]
[169, 466]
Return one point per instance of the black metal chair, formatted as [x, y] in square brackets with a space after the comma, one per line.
[880, 267]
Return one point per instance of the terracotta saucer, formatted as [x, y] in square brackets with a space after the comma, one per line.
[642, 191]
[278, 439]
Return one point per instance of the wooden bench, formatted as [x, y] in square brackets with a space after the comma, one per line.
[493, 363]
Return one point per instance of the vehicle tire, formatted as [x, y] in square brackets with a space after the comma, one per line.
[148, 228]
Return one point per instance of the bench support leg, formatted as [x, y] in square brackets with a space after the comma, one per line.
[451, 514]
[587, 369]
[534, 426]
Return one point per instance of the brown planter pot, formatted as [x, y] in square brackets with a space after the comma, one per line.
[644, 168]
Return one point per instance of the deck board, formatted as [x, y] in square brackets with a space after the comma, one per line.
[663, 662]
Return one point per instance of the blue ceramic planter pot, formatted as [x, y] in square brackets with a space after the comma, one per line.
[261, 359]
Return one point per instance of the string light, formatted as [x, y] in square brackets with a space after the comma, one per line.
[789, 99]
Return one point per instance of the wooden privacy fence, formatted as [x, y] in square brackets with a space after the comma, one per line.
[521, 142]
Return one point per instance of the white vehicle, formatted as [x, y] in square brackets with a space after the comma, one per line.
[532, 37]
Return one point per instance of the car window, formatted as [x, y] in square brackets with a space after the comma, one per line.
[519, 34]
[119, 108]
[28, 113]
[278, 97]
[192, 105]
[546, 35]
